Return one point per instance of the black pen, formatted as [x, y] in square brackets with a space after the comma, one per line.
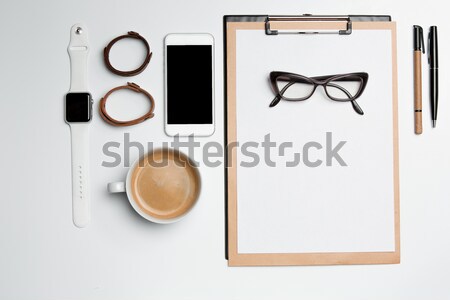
[434, 66]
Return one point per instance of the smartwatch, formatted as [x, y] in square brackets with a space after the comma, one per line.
[78, 114]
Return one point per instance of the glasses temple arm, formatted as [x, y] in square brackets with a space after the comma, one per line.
[355, 104]
[277, 98]
[357, 108]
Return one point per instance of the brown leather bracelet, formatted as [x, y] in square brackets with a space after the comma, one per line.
[133, 35]
[130, 86]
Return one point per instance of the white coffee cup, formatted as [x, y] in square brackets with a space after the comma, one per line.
[163, 186]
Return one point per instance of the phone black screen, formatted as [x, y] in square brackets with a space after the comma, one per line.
[189, 84]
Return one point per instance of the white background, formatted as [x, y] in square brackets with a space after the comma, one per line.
[120, 255]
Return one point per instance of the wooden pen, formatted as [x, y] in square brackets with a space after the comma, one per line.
[418, 49]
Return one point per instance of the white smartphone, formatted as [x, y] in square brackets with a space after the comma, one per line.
[189, 84]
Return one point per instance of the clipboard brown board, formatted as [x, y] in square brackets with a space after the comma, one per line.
[301, 25]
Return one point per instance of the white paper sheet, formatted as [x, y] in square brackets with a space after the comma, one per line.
[326, 208]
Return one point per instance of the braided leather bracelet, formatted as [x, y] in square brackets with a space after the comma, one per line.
[133, 35]
[130, 86]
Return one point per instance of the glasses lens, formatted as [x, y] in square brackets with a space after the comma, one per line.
[294, 90]
[344, 88]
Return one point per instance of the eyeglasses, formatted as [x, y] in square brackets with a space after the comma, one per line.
[342, 87]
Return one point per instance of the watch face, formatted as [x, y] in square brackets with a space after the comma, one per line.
[78, 107]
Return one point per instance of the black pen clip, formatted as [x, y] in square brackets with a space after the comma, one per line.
[421, 39]
[423, 44]
[428, 48]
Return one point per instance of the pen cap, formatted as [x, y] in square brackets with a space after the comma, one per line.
[433, 47]
[418, 38]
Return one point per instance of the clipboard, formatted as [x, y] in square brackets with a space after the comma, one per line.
[248, 36]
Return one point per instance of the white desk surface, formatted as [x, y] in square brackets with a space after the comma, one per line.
[120, 255]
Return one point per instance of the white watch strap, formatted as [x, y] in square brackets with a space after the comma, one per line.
[80, 174]
[78, 52]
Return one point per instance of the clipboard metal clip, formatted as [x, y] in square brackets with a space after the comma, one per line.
[309, 18]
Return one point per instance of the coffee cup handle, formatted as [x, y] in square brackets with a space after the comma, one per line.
[116, 187]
